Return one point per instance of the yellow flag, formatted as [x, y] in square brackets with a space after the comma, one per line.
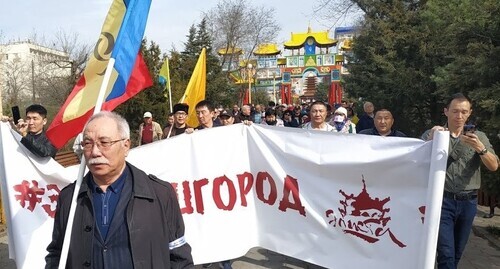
[164, 79]
[164, 73]
[195, 90]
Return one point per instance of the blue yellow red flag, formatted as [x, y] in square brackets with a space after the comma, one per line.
[195, 90]
[120, 39]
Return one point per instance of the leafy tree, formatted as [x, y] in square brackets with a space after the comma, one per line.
[218, 90]
[471, 39]
[260, 96]
[411, 55]
[473, 45]
[178, 82]
[394, 63]
[321, 93]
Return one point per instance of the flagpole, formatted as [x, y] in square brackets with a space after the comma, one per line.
[274, 87]
[81, 171]
[170, 130]
[169, 97]
[169, 89]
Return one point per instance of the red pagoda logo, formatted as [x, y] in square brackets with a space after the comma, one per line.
[363, 217]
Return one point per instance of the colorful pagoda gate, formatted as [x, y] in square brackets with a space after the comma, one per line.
[312, 58]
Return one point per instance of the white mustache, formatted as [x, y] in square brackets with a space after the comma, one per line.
[99, 160]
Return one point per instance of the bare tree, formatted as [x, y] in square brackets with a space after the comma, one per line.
[78, 52]
[334, 12]
[236, 24]
[57, 85]
[16, 85]
[47, 74]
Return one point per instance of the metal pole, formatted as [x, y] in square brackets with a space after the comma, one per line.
[249, 75]
[3, 219]
[169, 88]
[81, 171]
[1, 89]
[274, 87]
[33, 80]
[249, 85]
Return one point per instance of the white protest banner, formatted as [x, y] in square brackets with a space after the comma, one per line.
[330, 199]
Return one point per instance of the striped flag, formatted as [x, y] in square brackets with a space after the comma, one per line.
[120, 39]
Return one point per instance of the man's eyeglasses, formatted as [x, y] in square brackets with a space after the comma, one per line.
[104, 144]
[180, 114]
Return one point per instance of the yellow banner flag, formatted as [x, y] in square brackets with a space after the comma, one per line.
[195, 90]
[164, 79]
[164, 73]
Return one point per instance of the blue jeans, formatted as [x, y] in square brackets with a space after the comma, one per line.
[454, 230]
[226, 265]
[223, 265]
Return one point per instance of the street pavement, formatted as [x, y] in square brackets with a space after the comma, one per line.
[482, 251]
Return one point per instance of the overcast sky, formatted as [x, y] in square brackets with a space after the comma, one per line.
[167, 25]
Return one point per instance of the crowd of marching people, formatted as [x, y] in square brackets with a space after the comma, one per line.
[314, 116]
[317, 115]
[469, 148]
[112, 183]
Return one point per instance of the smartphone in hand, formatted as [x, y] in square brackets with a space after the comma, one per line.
[16, 115]
[469, 128]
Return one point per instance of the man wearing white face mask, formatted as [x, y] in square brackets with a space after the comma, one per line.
[341, 123]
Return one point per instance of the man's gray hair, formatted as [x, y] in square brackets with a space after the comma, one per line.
[123, 127]
[367, 103]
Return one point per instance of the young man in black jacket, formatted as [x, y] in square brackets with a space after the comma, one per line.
[33, 133]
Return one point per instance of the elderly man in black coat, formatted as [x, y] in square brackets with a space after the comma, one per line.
[124, 218]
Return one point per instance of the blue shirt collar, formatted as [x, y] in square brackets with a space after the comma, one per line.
[115, 187]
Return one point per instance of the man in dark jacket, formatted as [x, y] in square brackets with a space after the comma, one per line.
[245, 115]
[366, 120]
[31, 129]
[383, 125]
[124, 218]
[179, 126]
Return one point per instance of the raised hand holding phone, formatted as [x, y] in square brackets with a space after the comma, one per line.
[19, 122]
[16, 115]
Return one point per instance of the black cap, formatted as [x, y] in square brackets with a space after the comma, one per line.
[270, 111]
[225, 113]
[181, 107]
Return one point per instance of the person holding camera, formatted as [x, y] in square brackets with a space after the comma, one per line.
[467, 150]
[32, 131]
